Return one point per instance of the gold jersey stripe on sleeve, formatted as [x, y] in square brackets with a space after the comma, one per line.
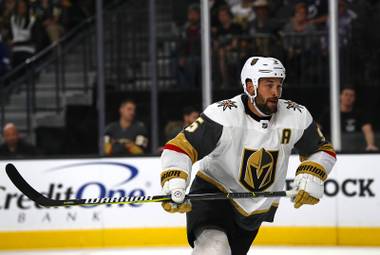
[181, 142]
[313, 168]
[218, 185]
[172, 173]
[327, 148]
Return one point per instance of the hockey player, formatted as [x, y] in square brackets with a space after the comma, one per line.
[244, 144]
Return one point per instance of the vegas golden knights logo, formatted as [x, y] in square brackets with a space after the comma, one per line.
[258, 169]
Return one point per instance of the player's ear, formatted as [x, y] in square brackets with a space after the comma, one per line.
[250, 87]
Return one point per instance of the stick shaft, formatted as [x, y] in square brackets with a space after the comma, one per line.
[37, 197]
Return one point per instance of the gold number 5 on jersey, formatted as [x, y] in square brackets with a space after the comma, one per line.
[191, 128]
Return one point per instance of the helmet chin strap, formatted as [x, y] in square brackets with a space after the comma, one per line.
[253, 101]
[260, 112]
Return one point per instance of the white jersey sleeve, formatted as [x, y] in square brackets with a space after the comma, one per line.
[190, 145]
[317, 154]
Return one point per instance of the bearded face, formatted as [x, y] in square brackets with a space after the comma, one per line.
[267, 106]
[268, 92]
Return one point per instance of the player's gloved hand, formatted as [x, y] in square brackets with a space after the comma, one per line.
[308, 190]
[176, 187]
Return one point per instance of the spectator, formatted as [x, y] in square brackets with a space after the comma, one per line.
[126, 136]
[23, 43]
[243, 13]
[352, 119]
[190, 114]
[13, 145]
[300, 44]
[50, 16]
[283, 10]
[180, 9]
[364, 43]
[262, 28]
[299, 22]
[189, 71]
[262, 22]
[226, 43]
[6, 11]
[317, 13]
[346, 19]
[214, 6]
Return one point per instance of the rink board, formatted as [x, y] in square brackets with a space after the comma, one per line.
[347, 215]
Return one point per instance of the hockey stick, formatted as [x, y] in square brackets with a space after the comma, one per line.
[40, 199]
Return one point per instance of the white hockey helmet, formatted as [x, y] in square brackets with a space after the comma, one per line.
[261, 67]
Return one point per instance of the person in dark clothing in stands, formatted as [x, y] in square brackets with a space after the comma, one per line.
[189, 50]
[126, 136]
[13, 145]
[352, 119]
[226, 44]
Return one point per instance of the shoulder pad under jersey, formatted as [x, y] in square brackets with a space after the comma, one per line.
[225, 112]
[294, 115]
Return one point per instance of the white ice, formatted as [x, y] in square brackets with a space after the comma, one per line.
[260, 250]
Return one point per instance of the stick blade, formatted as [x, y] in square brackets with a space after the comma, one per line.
[25, 188]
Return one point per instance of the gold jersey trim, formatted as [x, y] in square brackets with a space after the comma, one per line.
[220, 186]
[181, 142]
[327, 148]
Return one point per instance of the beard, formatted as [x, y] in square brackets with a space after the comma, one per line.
[265, 106]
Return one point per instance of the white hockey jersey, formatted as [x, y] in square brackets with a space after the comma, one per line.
[240, 152]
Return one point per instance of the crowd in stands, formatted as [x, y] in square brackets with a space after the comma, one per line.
[128, 136]
[27, 26]
[295, 31]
